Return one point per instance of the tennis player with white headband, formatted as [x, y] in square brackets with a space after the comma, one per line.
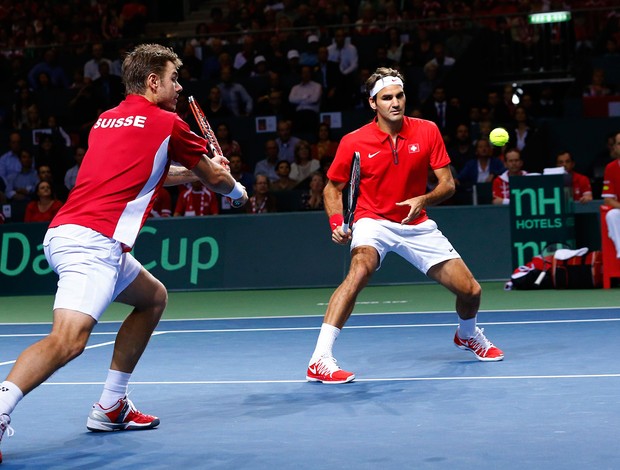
[396, 152]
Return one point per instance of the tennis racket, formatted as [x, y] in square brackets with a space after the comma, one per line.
[353, 192]
[205, 128]
[208, 134]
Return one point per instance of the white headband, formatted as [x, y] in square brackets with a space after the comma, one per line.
[385, 81]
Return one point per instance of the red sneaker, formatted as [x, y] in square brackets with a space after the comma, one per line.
[123, 416]
[326, 370]
[5, 426]
[483, 349]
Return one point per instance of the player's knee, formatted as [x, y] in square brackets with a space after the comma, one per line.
[160, 298]
[67, 348]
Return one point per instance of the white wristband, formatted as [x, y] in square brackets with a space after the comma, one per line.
[505, 201]
[236, 192]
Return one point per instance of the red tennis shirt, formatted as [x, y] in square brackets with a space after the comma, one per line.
[130, 148]
[390, 173]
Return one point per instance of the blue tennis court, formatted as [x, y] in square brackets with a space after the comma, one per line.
[231, 394]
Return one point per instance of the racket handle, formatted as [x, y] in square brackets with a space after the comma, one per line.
[345, 227]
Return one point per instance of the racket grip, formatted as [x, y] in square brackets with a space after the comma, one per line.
[345, 227]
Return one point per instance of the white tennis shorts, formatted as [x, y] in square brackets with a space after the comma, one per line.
[423, 245]
[91, 267]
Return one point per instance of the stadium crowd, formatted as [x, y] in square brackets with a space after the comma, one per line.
[280, 67]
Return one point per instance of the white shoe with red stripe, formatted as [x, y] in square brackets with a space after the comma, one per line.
[123, 416]
[482, 348]
[326, 370]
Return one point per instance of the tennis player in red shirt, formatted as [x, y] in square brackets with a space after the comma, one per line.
[129, 157]
[582, 189]
[390, 216]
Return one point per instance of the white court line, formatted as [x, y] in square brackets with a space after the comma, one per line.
[387, 379]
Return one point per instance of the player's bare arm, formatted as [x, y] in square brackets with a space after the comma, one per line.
[445, 188]
[217, 178]
[332, 198]
[178, 174]
[612, 202]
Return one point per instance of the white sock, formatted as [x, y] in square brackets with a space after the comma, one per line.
[467, 328]
[325, 343]
[115, 388]
[10, 396]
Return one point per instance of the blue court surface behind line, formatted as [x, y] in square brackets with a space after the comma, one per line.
[231, 394]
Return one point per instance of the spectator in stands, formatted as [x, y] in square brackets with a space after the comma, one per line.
[442, 113]
[304, 165]
[611, 194]
[327, 74]
[274, 104]
[306, 97]
[33, 120]
[394, 46]
[423, 46]
[482, 169]
[44, 205]
[325, 145]
[284, 181]
[262, 201]
[286, 141]
[267, 166]
[238, 171]
[108, 89]
[582, 189]
[215, 106]
[234, 96]
[443, 61]
[196, 200]
[498, 111]
[162, 206]
[10, 163]
[20, 186]
[91, 67]
[429, 82]
[521, 129]
[133, 16]
[49, 153]
[49, 65]
[342, 52]
[461, 150]
[598, 86]
[501, 184]
[291, 75]
[312, 199]
[244, 59]
[310, 55]
[71, 174]
[228, 145]
[24, 98]
[259, 81]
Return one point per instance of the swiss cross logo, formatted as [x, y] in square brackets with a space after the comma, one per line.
[414, 148]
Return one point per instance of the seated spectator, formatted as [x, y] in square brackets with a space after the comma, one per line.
[262, 201]
[611, 194]
[461, 149]
[196, 200]
[325, 145]
[108, 89]
[162, 206]
[482, 169]
[312, 199]
[237, 170]
[10, 163]
[284, 181]
[215, 107]
[51, 67]
[71, 174]
[304, 165]
[306, 98]
[582, 189]
[91, 67]
[44, 206]
[501, 184]
[234, 96]
[228, 145]
[20, 186]
[598, 85]
[286, 141]
[267, 166]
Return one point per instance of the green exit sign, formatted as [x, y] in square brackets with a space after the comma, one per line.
[550, 17]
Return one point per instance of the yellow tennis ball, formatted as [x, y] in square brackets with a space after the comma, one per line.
[499, 137]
